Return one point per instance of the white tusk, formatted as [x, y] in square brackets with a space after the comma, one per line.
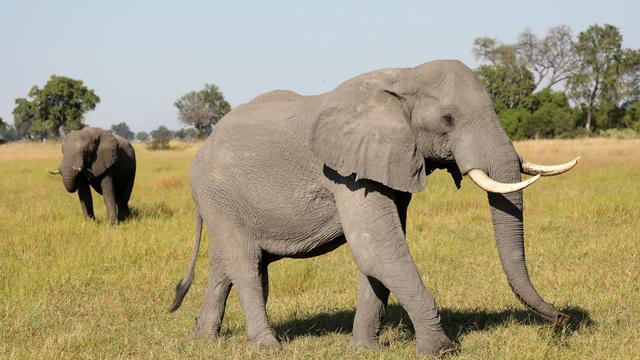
[548, 170]
[54, 172]
[78, 169]
[488, 184]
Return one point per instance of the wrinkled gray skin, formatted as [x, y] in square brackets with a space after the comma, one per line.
[106, 162]
[297, 176]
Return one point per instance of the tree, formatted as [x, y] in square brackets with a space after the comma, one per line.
[62, 103]
[7, 131]
[630, 83]
[551, 115]
[600, 77]
[552, 59]
[599, 49]
[187, 134]
[548, 115]
[25, 119]
[510, 85]
[489, 49]
[123, 130]
[161, 137]
[202, 109]
[142, 136]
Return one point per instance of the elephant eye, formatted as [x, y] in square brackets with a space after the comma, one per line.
[448, 120]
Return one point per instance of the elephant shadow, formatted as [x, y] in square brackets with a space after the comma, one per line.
[156, 210]
[456, 323]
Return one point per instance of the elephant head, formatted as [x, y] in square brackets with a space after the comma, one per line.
[395, 126]
[86, 153]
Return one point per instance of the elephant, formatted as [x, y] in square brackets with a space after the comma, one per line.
[104, 160]
[292, 176]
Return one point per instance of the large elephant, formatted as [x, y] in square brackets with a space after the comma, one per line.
[103, 160]
[297, 176]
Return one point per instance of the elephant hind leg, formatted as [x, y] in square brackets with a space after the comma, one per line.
[253, 296]
[209, 318]
[122, 201]
[248, 273]
[372, 303]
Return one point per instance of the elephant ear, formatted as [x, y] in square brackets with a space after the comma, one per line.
[106, 153]
[362, 128]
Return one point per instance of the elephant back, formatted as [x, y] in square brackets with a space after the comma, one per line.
[276, 95]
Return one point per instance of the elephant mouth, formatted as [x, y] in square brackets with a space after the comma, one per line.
[88, 175]
[450, 165]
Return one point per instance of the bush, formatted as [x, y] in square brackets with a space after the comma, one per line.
[626, 133]
[548, 121]
[512, 120]
[159, 144]
[161, 138]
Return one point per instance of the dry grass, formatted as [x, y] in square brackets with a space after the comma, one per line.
[75, 289]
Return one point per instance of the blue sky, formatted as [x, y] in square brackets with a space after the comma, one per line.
[140, 56]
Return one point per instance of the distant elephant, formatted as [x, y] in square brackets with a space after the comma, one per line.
[297, 176]
[105, 161]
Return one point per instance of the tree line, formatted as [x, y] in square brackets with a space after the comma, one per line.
[555, 86]
[561, 86]
[61, 104]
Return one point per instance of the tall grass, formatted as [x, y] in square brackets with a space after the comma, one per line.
[76, 289]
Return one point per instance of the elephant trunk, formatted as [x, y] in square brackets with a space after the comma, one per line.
[487, 147]
[69, 175]
[70, 182]
[506, 211]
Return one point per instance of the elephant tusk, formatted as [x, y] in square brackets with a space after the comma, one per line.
[53, 172]
[488, 184]
[547, 170]
[78, 169]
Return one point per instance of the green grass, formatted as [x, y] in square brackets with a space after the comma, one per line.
[76, 289]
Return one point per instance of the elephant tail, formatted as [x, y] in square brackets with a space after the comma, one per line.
[185, 283]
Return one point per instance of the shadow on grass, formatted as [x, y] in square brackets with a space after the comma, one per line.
[456, 323]
[158, 210]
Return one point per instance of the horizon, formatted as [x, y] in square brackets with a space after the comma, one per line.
[139, 63]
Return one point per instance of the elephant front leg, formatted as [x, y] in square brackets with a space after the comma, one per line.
[372, 304]
[86, 202]
[109, 196]
[375, 238]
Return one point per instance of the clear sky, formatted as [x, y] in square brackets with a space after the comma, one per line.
[140, 56]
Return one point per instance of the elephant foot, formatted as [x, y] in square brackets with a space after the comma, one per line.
[200, 331]
[365, 344]
[434, 345]
[265, 339]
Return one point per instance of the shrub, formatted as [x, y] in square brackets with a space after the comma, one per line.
[625, 133]
[159, 144]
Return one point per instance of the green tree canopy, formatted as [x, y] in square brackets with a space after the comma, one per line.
[202, 109]
[60, 104]
[599, 81]
[548, 115]
[600, 77]
[6, 131]
[123, 130]
[510, 85]
[161, 137]
[142, 136]
[187, 134]
[25, 118]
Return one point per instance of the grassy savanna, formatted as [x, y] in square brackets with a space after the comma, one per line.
[76, 289]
